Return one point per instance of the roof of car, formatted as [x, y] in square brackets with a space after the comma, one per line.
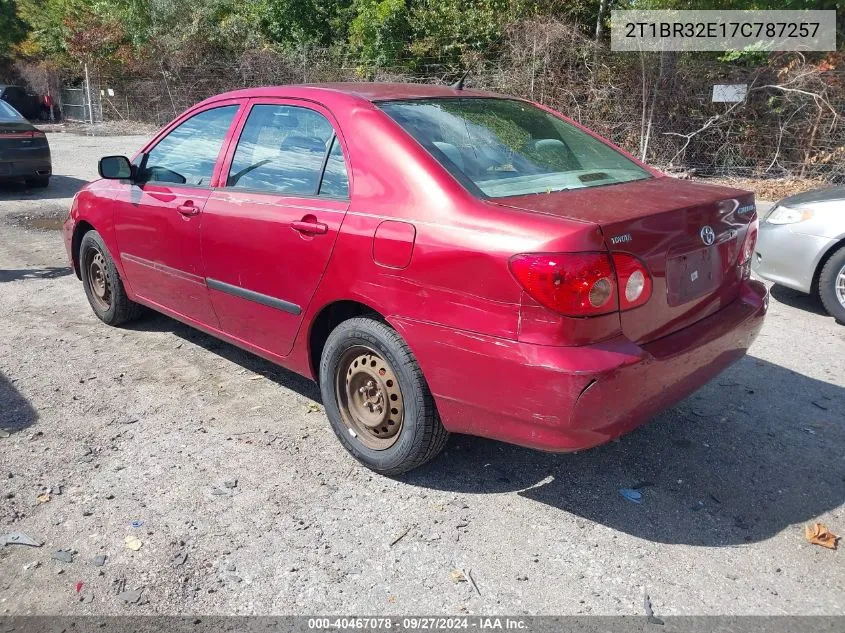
[387, 91]
[361, 90]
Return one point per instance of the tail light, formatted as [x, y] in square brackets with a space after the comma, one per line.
[582, 284]
[634, 281]
[748, 247]
[26, 134]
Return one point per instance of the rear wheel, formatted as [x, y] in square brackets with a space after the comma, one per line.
[376, 398]
[832, 285]
[102, 283]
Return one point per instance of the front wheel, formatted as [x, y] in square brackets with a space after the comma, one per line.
[832, 285]
[376, 398]
[103, 285]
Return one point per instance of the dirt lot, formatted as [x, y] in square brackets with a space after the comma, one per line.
[245, 503]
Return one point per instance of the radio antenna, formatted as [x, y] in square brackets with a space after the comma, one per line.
[459, 84]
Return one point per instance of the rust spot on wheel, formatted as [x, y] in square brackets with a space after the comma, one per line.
[369, 397]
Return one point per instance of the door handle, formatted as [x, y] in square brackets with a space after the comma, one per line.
[311, 227]
[188, 209]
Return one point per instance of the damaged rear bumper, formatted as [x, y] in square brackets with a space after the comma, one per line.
[572, 398]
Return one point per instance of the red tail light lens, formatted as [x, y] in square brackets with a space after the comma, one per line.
[634, 281]
[750, 241]
[27, 134]
[572, 284]
[583, 284]
[748, 248]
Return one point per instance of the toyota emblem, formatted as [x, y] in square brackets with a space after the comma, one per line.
[708, 235]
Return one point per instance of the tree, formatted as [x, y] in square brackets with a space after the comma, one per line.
[379, 33]
[12, 28]
[296, 23]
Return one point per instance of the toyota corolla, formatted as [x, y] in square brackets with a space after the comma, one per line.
[439, 260]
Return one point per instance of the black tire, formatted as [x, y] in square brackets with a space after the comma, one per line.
[116, 308]
[38, 182]
[421, 436]
[828, 278]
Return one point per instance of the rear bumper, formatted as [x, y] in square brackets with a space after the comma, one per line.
[26, 168]
[572, 398]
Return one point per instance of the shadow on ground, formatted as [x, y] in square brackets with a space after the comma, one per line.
[60, 187]
[799, 300]
[757, 450]
[16, 414]
[154, 322]
[51, 272]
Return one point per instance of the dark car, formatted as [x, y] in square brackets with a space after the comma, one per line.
[29, 105]
[24, 152]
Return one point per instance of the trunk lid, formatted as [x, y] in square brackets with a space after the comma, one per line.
[668, 224]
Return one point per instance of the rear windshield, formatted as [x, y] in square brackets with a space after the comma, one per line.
[504, 147]
[8, 113]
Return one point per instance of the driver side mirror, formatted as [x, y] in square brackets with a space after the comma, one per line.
[115, 168]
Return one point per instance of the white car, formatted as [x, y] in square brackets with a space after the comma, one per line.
[801, 245]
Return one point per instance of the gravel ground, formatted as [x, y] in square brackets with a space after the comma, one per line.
[225, 469]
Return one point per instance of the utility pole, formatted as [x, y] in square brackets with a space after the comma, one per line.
[88, 93]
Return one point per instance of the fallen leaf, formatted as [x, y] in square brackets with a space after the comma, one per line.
[818, 534]
[457, 575]
[43, 498]
[312, 408]
[133, 543]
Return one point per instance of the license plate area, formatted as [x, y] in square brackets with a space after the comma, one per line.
[693, 275]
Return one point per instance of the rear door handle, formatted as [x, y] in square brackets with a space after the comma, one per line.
[310, 227]
[188, 209]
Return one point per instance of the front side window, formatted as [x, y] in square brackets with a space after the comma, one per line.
[187, 155]
[503, 147]
[284, 149]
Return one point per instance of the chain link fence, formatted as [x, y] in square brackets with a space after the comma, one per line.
[658, 106]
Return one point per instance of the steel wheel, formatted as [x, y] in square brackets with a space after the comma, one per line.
[98, 278]
[369, 397]
[839, 287]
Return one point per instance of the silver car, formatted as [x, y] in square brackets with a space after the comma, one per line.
[801, 245]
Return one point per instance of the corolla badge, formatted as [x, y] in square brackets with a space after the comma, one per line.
[708, 235]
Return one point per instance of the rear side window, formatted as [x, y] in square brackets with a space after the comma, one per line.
[335, 181]
[187, 155]
[285, 149]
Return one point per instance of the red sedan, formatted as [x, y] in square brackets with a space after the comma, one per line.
[439, 260]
